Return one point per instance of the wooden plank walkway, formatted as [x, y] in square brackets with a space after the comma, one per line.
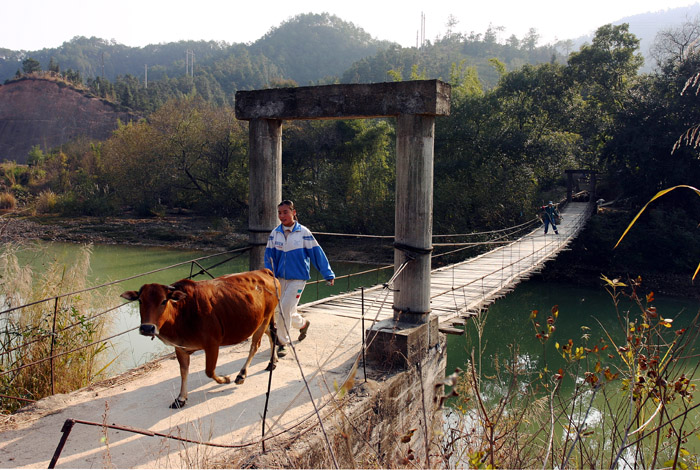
[463, 289]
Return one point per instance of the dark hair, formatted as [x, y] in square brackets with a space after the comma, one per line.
[289, 203]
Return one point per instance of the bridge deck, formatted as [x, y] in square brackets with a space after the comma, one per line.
[464, 288]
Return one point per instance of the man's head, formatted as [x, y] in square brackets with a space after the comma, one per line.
[286, 213]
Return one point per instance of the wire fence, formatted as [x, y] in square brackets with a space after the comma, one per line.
[378, 304]
[11, 351]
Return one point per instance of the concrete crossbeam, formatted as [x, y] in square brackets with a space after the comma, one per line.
[351, 101]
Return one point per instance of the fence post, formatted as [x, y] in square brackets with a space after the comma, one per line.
[53, 342]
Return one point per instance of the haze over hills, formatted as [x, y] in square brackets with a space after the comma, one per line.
[646, 26]
[307, 48]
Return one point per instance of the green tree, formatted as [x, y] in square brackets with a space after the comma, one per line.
[30, 65]
[605, 70]
[53, 66]
[342, 173]
[189, 154]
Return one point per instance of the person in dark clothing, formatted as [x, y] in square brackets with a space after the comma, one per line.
[550, 215]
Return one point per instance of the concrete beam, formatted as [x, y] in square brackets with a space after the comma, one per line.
[352, 101]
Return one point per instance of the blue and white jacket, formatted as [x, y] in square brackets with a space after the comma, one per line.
[290, 256]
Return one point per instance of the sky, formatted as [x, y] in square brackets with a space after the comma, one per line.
[36, 24]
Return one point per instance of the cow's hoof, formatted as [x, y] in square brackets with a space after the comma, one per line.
[240, 379]
[222, 380]
[177, 404]
[270, 367]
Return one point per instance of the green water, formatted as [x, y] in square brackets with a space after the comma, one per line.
[582, 311]
[110, 263]
[509, 337]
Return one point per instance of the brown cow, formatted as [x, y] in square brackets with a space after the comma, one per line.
[207, 314]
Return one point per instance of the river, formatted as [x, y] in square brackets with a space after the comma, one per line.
[582, 310]
[110, 263]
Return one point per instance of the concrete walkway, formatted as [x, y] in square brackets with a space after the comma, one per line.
[223, 414]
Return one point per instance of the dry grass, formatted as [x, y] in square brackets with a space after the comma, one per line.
[27, 337]
[46, 202]
[7, 201]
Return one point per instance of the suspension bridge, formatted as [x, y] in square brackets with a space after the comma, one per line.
[463, 289]
[125, 422]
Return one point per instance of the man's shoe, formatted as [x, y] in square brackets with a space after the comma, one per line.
[281, 351]
[303, 330]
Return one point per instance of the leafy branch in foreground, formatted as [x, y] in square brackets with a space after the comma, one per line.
[656, 196]
[625, 399]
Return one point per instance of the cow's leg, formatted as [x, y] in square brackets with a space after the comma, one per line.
[211, 355]
[254, 345]
[183, 358]
[273, 356]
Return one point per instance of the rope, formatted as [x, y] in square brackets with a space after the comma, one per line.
[47, 335]
[55, 356]
[12, 309]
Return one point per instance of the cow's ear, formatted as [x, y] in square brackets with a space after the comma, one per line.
[178, 295]
[130, 295]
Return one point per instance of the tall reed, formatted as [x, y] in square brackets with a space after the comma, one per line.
[48, 347]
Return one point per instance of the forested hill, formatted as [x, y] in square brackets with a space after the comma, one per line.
[306, 49]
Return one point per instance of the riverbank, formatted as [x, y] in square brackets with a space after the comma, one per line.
[182, 231]
[190, 232]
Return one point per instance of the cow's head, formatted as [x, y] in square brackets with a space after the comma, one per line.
[154, 299]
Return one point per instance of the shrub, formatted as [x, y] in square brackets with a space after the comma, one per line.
[46, 202]
[7, 201]
[72, 204]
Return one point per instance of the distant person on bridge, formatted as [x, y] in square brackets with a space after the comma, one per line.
[290, 249]
[551, 214]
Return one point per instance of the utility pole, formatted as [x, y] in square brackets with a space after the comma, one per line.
[189, 64]
[146, 81]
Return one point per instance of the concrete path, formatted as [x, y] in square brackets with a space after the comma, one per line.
[224, 414]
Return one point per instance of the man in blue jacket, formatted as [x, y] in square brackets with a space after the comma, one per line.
[290, 250]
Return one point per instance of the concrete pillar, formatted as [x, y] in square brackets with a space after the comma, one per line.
[415, 136]
[265, 163]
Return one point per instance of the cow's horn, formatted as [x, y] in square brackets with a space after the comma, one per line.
[171, 287]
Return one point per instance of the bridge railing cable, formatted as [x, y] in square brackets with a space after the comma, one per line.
[500, 236]
[16, 337]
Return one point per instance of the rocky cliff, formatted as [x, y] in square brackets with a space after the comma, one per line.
[50, 113]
